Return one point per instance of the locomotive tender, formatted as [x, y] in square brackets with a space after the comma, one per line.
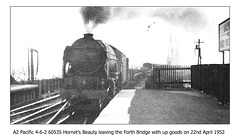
[93, 73]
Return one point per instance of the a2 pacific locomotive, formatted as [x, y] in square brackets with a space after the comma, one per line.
[93, 73]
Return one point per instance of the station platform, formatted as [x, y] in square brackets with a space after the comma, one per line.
[22, 94]
[22, 87]
[139, 106]
[116, 111]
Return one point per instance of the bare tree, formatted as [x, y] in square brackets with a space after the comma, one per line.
[19, 75]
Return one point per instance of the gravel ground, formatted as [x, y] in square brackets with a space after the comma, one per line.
[176, 107]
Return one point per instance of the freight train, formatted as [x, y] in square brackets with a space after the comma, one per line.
[93, 73]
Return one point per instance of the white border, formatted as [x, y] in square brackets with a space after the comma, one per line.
[6, 130]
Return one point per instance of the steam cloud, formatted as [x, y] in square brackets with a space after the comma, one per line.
[188, 18]
[94, 16]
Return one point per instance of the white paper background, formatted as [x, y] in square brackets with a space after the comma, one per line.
[7, 129]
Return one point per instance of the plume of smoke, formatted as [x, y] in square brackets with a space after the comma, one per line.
[93, 16]
[126, 13]
[189, 18]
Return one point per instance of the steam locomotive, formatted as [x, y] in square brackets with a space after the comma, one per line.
[93, 73]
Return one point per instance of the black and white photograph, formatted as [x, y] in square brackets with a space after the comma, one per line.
[120, 70]
[120, 65]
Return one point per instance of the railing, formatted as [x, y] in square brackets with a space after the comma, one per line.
[171, 76]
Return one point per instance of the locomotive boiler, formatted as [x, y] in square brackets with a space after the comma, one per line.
[93, 73]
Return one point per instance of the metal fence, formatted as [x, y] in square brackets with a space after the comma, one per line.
[171, 76]
[213, 79]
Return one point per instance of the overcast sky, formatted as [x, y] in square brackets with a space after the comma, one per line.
[141, 33]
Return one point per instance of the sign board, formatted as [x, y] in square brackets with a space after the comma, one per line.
[224, 35]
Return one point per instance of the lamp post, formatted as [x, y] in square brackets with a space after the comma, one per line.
[199, 51]
[199, 60]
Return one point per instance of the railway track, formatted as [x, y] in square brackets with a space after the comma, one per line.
[37, 111]
[79, 117]
[50, 111]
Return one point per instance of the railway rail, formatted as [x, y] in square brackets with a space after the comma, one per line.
[52, 110]
[33, 112]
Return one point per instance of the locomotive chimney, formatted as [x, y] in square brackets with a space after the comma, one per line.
[88, 36]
